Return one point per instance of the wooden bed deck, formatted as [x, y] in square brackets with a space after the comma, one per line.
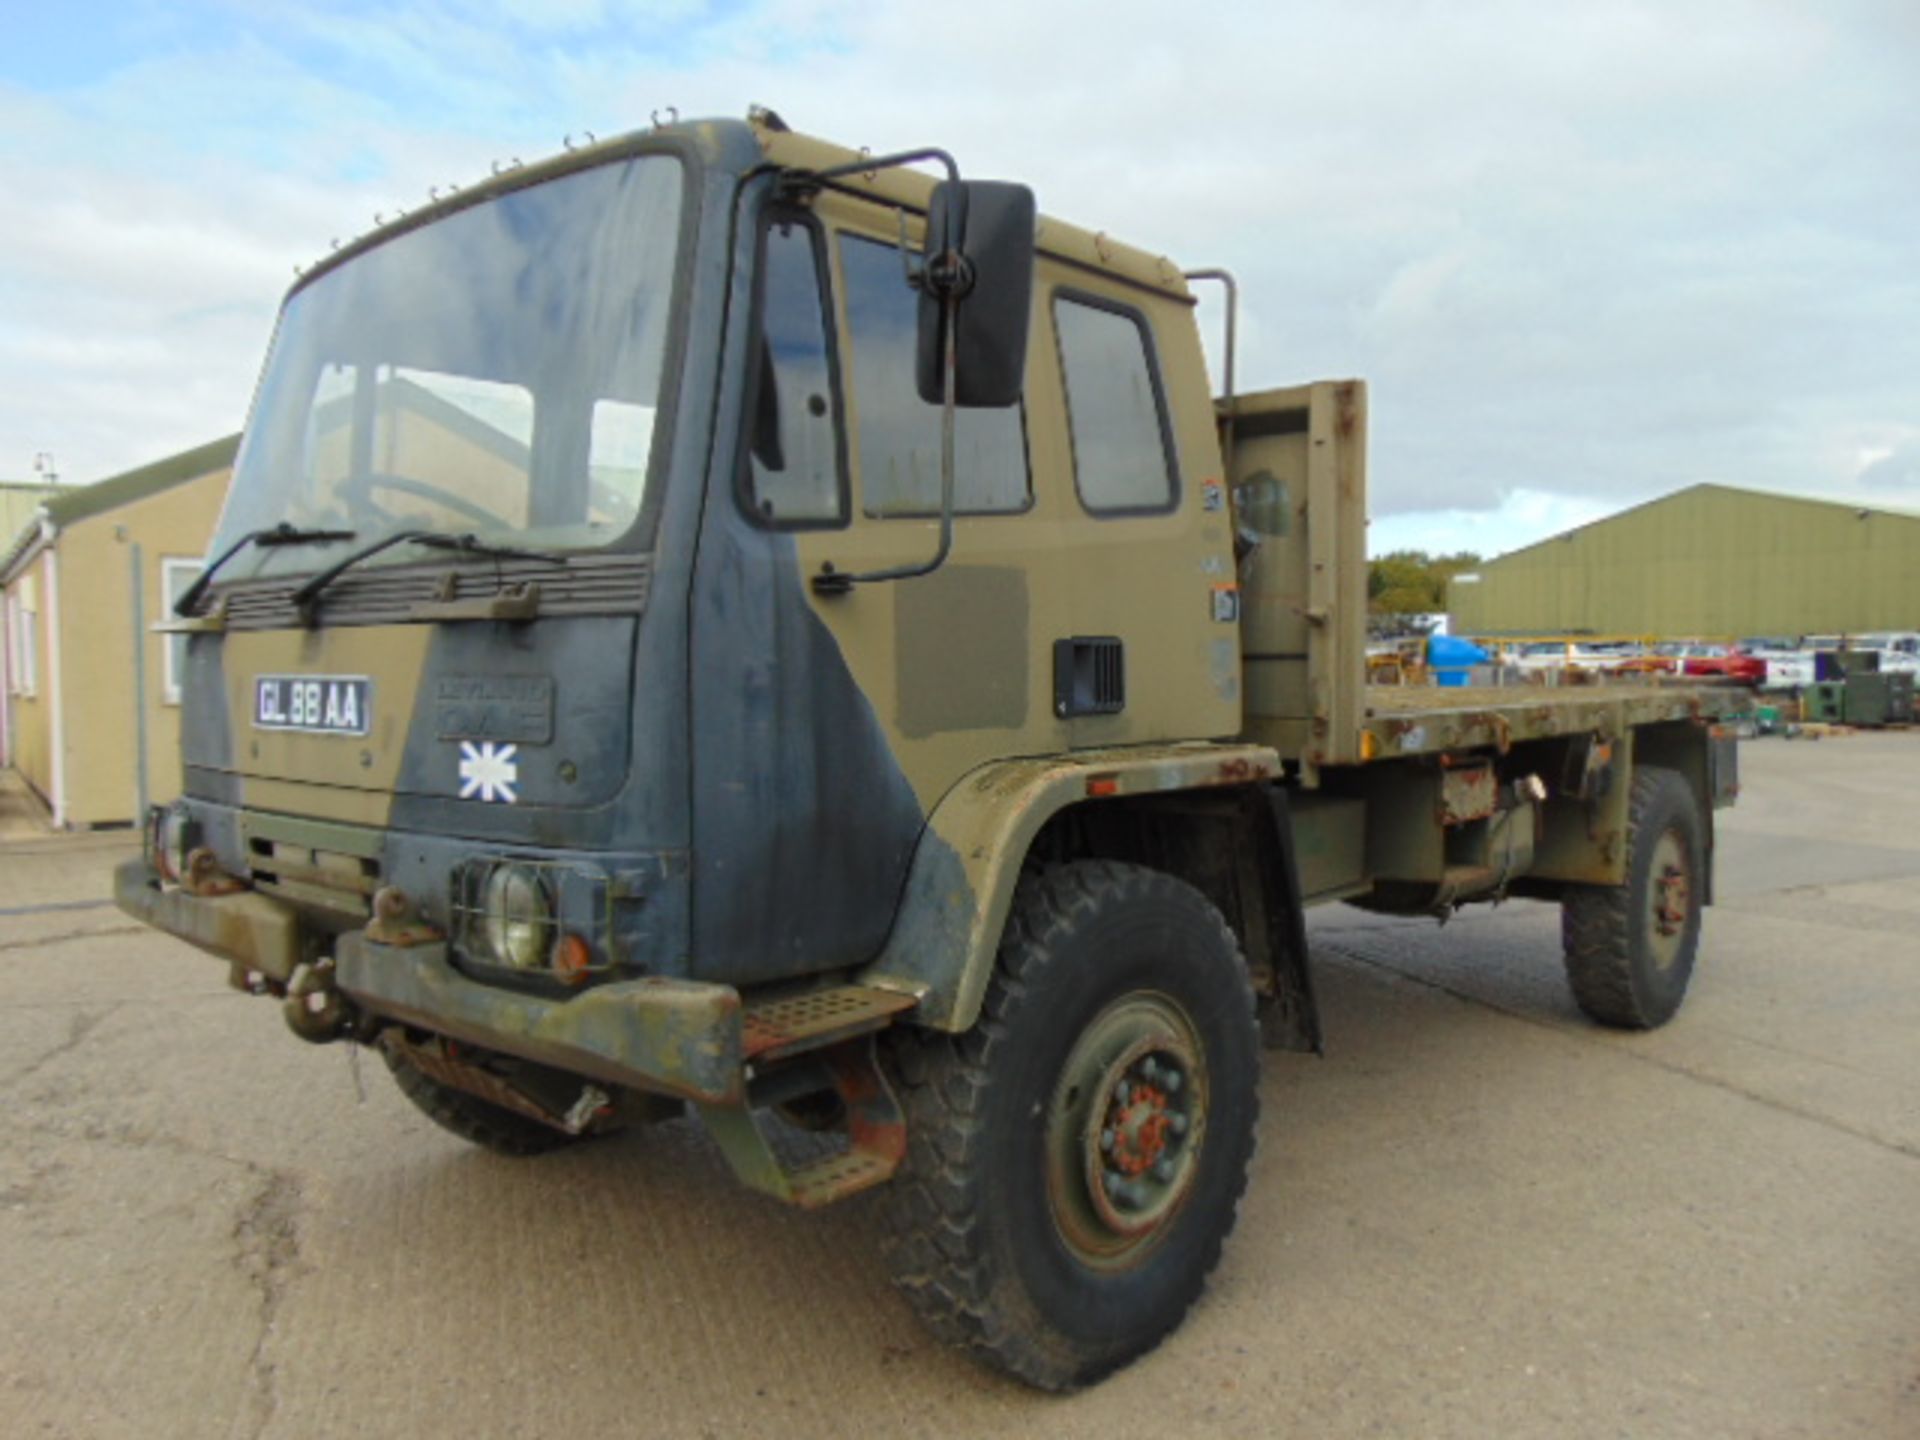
[1425, 719]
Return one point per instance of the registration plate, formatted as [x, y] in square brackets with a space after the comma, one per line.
[324, 704]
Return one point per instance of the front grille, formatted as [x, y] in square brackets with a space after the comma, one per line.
[327, 878]
[391, 595]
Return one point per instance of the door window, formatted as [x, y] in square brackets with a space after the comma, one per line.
[793, 474]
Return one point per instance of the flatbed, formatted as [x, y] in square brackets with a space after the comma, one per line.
[1427, 719]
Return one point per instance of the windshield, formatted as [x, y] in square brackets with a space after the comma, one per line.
[495, 372]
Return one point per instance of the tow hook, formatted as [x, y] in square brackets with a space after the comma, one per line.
[316, 1011]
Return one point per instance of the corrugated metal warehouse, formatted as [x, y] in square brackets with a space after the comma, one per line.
[1708, 561]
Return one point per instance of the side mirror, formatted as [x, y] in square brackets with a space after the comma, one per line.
[979, 252]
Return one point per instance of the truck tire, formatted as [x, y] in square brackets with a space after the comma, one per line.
[1630, 948]
[492, 1127]
[1074, 1162]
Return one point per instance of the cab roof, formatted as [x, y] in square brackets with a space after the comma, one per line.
[726, 143]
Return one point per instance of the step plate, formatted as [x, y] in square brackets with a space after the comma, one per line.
[796, 1023]
[834, 1177]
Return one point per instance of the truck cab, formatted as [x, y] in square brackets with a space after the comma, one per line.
[672, 388]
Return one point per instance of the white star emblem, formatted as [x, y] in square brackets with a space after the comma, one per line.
[487, 770]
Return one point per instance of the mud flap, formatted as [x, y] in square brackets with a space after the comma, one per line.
[1289, 1015]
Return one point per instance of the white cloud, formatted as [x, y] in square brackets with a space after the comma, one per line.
[1579, 252]
[1521, 518]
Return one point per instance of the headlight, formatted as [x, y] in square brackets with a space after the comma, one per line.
[518, 916]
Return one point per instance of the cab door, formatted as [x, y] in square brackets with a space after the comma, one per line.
[957, 664]
[802, 822]
[826, 726]
[1154, 599]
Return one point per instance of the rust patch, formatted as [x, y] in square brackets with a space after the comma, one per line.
[396, 924]
[1239, 770]
[1466, 793]
[205, 878]
[874, 1123]
[1346, 412]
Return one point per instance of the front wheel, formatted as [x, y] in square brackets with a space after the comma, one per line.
[1075, 1161]
[479, 1122]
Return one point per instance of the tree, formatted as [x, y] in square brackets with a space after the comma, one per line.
[1412, 582]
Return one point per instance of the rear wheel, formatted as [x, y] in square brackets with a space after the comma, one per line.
[1075, 1161]
[1630, 948]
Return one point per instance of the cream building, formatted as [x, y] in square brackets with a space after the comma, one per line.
[91, 695]
[20, 504]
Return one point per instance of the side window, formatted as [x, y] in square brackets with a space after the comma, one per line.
[792, 470]
[898, 433]
[1122, 461]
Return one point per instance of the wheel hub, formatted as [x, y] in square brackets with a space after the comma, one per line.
[1124, 1133]
[1670, 899]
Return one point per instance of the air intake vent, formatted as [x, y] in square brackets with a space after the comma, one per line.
[1089, 676]
[590, 584]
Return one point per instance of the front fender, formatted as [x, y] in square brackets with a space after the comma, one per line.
[960, 886]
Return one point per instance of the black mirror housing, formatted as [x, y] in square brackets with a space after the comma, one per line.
[989, 225]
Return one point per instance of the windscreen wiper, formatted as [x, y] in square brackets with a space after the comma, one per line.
[285, 533]
[473, 545]
[304, 597]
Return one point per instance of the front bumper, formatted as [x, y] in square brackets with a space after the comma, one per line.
[681, 1037]
[678, 1037]
[249, 930]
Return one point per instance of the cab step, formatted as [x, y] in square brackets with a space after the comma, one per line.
[876, 1127]
[776, 1028]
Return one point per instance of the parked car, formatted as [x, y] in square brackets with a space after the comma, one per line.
[1899, 649]
[1724, 662]
[1652, 660]
[1787, 668]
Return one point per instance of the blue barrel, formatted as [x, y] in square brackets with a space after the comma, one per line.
[1449, 658]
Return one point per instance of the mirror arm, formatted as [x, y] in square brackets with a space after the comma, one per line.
[796, 182]
[837, 582]
[867, 165]
[950, 277]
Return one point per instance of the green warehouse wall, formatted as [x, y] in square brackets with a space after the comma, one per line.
[1711, 560]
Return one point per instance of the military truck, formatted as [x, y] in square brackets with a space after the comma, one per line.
[721, 622]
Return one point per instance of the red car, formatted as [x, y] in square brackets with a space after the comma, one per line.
[1730, 663]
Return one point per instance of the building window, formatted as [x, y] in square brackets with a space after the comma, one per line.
[898, 433]
[1122, 461]
[175, 577]
[24, 631]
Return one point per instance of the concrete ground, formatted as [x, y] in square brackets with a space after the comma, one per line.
[1477, 1216]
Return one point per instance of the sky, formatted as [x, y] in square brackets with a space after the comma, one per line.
[1584, 255]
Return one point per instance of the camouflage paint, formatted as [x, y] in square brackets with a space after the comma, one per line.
[777, 784]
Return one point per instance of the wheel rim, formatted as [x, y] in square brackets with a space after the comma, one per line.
[1669, 899]
[1125, 1129]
